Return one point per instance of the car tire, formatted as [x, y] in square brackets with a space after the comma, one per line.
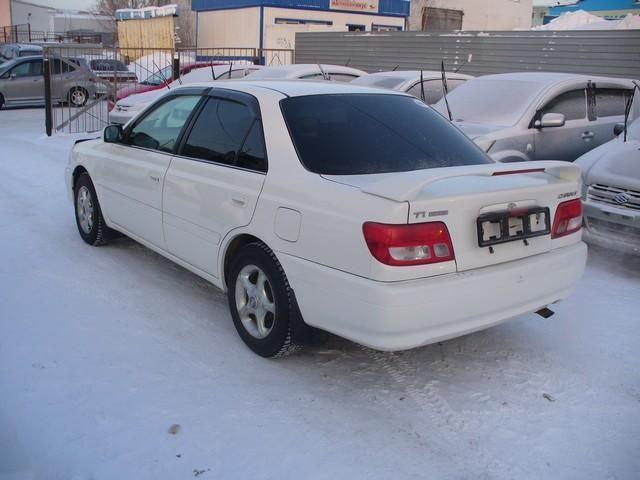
[78, 97]
[89, 218]
[261, 302]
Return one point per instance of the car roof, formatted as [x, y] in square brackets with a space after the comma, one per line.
[299, 69]
[293, 88]
[548, 79]
[411, 74]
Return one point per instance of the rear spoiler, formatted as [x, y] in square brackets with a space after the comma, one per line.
[406, 186]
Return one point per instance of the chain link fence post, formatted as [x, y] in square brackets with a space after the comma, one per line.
[48, 113]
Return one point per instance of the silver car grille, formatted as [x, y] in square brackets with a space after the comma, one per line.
[619, 197]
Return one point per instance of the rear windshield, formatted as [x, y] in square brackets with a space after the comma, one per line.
[374, 133]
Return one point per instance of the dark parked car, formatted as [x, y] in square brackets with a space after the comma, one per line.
[112, 73]
[10, 51]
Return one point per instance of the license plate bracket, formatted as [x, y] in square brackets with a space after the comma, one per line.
[512, 225]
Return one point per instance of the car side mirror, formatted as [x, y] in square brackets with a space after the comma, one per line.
[113, 134]
[550, 120]
[618, 128]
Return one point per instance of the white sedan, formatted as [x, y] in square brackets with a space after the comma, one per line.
[350, 209]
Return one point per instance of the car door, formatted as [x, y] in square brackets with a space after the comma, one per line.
[572, 139]
[133, 171]
[213, 183]
[24, 83]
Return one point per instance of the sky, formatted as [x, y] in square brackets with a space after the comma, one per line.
[70, 4]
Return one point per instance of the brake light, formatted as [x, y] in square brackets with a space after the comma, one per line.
[409, 244]
[568, 218]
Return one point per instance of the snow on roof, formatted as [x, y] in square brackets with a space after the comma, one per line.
[553, 3]
[581, 20]
[170, 10]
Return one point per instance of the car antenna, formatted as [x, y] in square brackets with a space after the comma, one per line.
[324, 74]
[422, 97]
[464, 63]
[348, 62]
[161, 75]
[627, 108]
[230, 67]
[395, 68]
[445, 90]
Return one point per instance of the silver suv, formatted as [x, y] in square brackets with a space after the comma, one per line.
[9, 51]
[538, 115]
[22, 81]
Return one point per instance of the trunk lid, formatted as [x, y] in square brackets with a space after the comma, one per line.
[457, 196]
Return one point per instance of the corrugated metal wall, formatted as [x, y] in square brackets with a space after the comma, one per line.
[610, 53]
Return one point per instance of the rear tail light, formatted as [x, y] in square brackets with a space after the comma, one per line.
[409, 244]
[568, 218]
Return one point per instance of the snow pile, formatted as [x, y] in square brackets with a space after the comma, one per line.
[581, 20]
[629, 22]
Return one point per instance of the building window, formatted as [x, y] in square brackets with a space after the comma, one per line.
[441, 19]
[301, 21]
[385, 28]
[356, 28]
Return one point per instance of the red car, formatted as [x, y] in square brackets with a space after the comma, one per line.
[156, 81]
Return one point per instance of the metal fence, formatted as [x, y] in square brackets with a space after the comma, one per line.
[24, 34]
[596, 52]
[83, 83]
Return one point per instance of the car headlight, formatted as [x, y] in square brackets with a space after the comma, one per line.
[484, 143]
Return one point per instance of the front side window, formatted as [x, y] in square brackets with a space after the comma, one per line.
[374, 133]
[611, 101]
[572, 104]
[227, 132]
[28, 69]
[160, 128]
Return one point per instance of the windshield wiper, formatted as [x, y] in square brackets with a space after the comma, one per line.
[445, 89]
[627, 107]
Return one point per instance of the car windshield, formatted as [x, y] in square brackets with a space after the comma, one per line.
[633, 126]
[496, 102]
[374, 133]
[379, 81]
[270, 73]
[108, 66]
[159, 77]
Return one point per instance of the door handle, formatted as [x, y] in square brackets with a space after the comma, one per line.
[587, 135]
[238, 202]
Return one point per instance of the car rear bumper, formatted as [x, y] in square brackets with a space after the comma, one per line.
[612, 227]
[401, 315]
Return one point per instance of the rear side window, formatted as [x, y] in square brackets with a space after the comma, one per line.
[63, 66]
[611, 101]
[573, 105]
[227, 132]
[374, 133]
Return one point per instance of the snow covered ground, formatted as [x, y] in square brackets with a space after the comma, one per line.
[117, 364]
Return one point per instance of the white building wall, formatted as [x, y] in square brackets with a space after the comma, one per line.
[241, 27]
[229, 28]
[479, 14]
[40, 18]
[284, 36]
